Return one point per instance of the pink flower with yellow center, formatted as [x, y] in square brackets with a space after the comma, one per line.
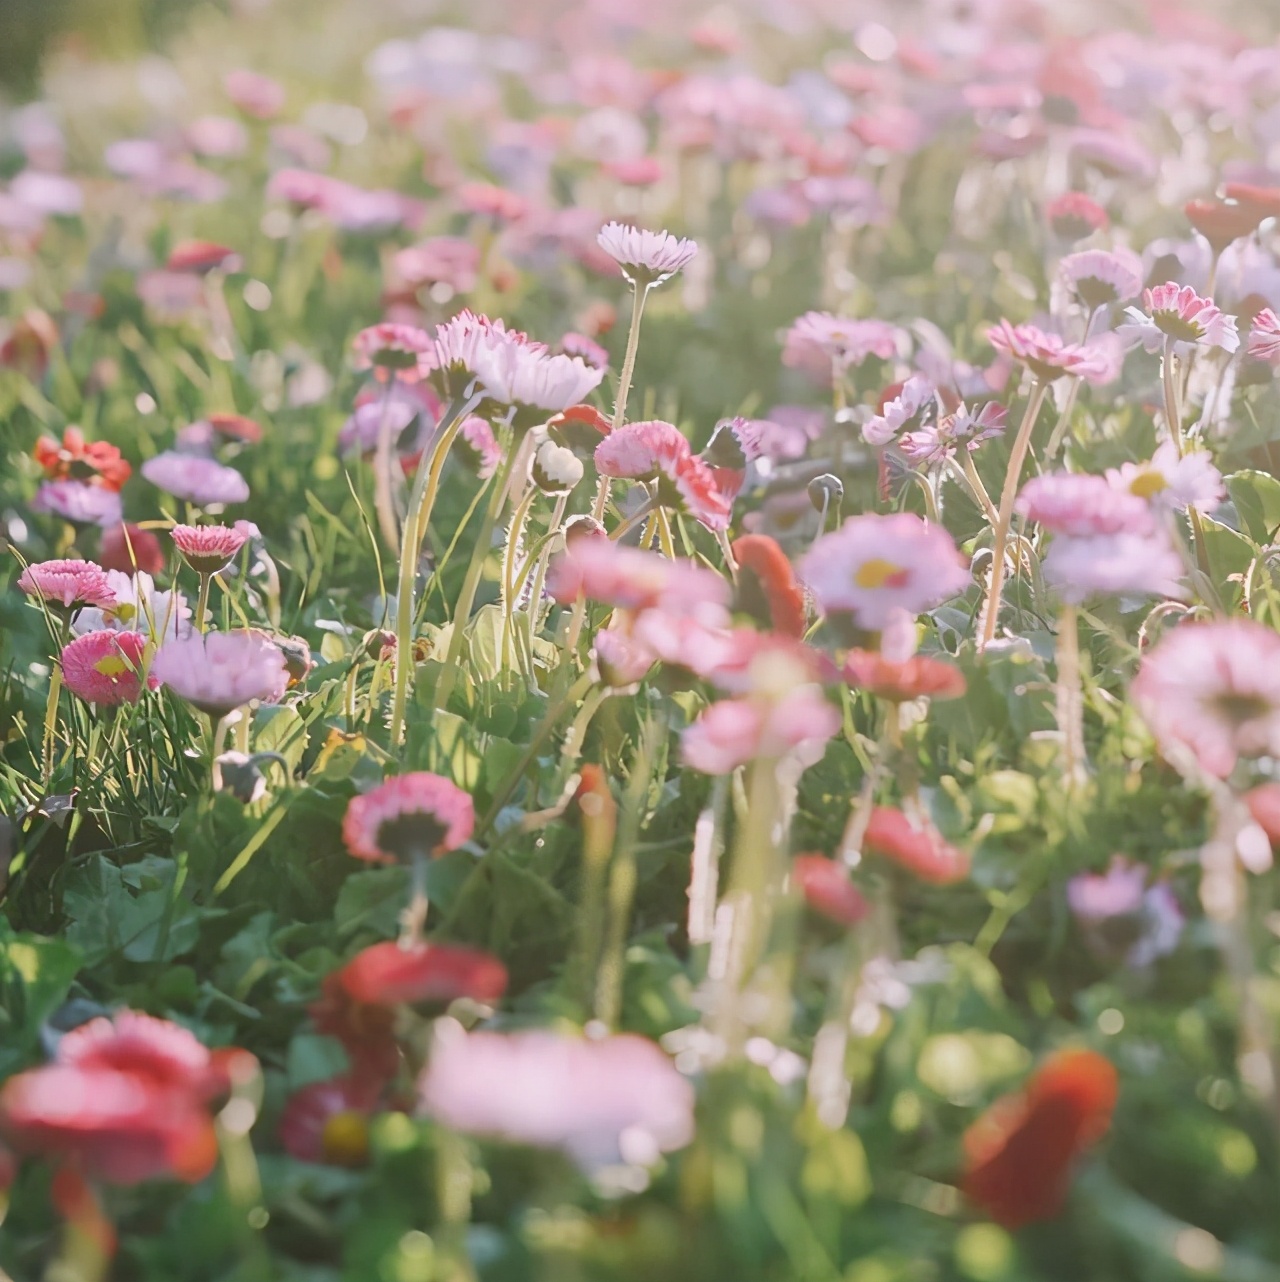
[1172, 482]
[106, 668]
[221, 671]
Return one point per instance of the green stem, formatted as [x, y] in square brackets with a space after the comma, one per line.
[202, 601]
[382, 475]
[1070, 700]
[638, 297]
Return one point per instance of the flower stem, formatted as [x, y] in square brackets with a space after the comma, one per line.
[1172, 409]
[638, 297]
[202, 602]
[1070, 700]
[414, 918]
[382, 475]
[1004, 516]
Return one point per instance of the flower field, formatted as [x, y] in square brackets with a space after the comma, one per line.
[637, 642]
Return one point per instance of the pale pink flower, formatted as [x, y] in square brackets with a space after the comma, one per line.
[416, 813]
[207, 549]
[1171, 481]
[79, 503]
[106, 668]
[622, 660]
[1047, 356]
[647, 258]
[631, 579]
[402, 352]
[301, 188]
[658, 451]
[359, 434]
[523, 376]
[217, 136]
[615, 1100]
[1073, 215]
[201, 481]
[1213, 690]
[1178, 314]
[1080, 505]
[1099, 276]
[1117, 564]
[825, 345]
[477, 435]
[69, 584]
[917, 392]
[574, 344]
[733, 732]
[255, 94]
[138, 607]
[220, 671]
[443, 260]
[962, 430]
[875, 565]
[170, 296]
[1264, 337]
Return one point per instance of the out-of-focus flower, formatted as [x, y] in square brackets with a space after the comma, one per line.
[1213, 690]
[1177, 313]
[627, 577]
[1047, 356]
[1073, 215]
[827, 890]
[1222, 221]
[197, 480]
[207, 549]
[170, 296]
[1081, 505]
[606, 1102]
[913, 397]
[1120, 913]
[918, 677]
[199, 257]
[1099, 277]
[476, 438]
[1123, 563]
[79, 503]
[27, 343]
[573, 344]
[1020, 1153]
[414, 814]
[732, 732]
[75, 459]
[1171, 481]
[236, 427]
[219, 137]
[218, 672]
[874, 565]
[392, 974]
[106, 668]
[129, 548]
[1264, 337]
[915, 845]
[69, 584]
[767, 587]
[328, 1121]
[402, 352]
[825, 346]
[137, 607]
[962, 430]
[442, 260]
[256, 95]
[647, 258]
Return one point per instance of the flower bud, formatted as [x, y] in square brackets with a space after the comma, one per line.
[826, 491]
[556, 470]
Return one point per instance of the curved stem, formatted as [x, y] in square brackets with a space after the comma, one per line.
[1073, 393]
[638, 297]
[1004, 517]
[1172, 407]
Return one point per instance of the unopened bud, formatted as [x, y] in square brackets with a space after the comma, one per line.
[826, 492]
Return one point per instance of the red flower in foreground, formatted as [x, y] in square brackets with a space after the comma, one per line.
[914, 678]
[389, 974]
[1019, 1154]
[918, 847]
[75, 459]
[365, 1031]
[827, 890]
[418, 813]
[767, 578]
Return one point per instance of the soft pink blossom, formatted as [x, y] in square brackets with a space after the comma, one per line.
[105, 668]
[197, 480]
[220, 671]
[733, 732]
[917, 392]
[1171, 481]
[207, 549]
[1047, 356]
[627, 577]
[646, 257]
[1264, 337]
[79, 503]
[1123, 563]
[1177, 314]
[826, 346]
[1099, 276]
[1081, 505]
[68, 584]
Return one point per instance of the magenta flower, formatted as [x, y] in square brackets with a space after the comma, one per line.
[79, 503]
[1172, 482]
[208, 549]
[1047, 356]
[735, 731]
[1177, 314]
[219, 672]
[873, 566]
[1264, 337]
[417, 813]
[647, 258]
[1213, 690]
[106, 668]
[70, 584]
[197, 480]
[617, 1100]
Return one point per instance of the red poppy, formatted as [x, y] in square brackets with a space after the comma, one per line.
[914, 678]
[129, 548]
[1019, 1154]
[75, 459]
[236, 427]
[766, 574]
[199, 257]
[1220, 221]
[918, 847]
[329, 1122]
[827, 889]
[1264, 805]
[389, 974]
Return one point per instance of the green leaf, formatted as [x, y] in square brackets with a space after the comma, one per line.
[313, 1058]
[371, 901]
[35, 976]
[280, 729]
[1257, 499]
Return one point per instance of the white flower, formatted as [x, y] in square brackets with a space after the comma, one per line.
[646, 257]
[139, 608]
[1171, 482]
[916, 393]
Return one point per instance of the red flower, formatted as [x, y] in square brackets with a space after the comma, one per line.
[129, 548]
[236, 427]
[329, 1122]
[913, 678]
[917, 847]
[365, 1031]
[1264, 201]
[1020, 1152]
[827, 889]
[389, 974]
[199, 257]
[766, 575]
[75, 459]
[1073, 215]
[1264, 805]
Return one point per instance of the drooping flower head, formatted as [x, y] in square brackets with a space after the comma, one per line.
[1222, 221]
[208, 549]
[900, 680]
[1047, 356]
[1073, 215]
[875, 565]
[647, 258]
[106, 668]
[1213, 690]
[70, 585]
[197, 480]
[825, 346]
[915, 395]
[1178, 314]
[218, 672]
[417, 813]
[796, 722]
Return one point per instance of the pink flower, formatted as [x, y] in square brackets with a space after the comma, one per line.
[1073, 215]
[875, 565]
[491, 201]
[917, 392]
[329, 1121]
[70, 584]
[915, 845]
[138, 607]
[606, 1102]
[1171, 482]
[825, 345]
[402, 352]
[733, 732]
[477, 434]
[443, 260]
[622, 660]
[525, 376]
[1047, 356]
[170, 296]
[197, 480]
[106, 667]
[1264, 337]
[1178, 314]
[1213, 690]
[647, 258]
[79, 503]
[208, 549]
[659, 451]
[1081, 505]
[255, 95]
[627, 577]
[393, 974]
[1117, 564]
[219, 672]
[827, 890]
[954, 432]
[1099, 276]
[413, 814]
[574, 344]
[128, 548]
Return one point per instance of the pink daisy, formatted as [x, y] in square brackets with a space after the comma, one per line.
[1080, 505]
[631, 579]
[79, 503]
[1122, 563]
[962, 430]
[1213, 689]
[1100, 276]
[733, 732]
[1264, 337]
[452, 261]
[525, 376]
[658, 451]
[402, 352]
[574, 344]
[917, 392]
[822, 344]
[413, 814]
[481, 445]
[1177, 313]
[1047, 356]
[876, 565]
[70, 584]
[1073, 215]
[1171, 481]
[647, 258]
[201, 481]
[825, 886]
[208, 549]
[219, 672]
[106, 667]
[255, 94]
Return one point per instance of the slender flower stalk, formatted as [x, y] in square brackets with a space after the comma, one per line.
[1073, 394]
[383, 477]
[1173, 421]
[1004, 516]
[1070, 701]
[639, 295]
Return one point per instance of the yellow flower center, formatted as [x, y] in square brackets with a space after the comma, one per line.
[878, 573]
[1148, 484]
[112, 665]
